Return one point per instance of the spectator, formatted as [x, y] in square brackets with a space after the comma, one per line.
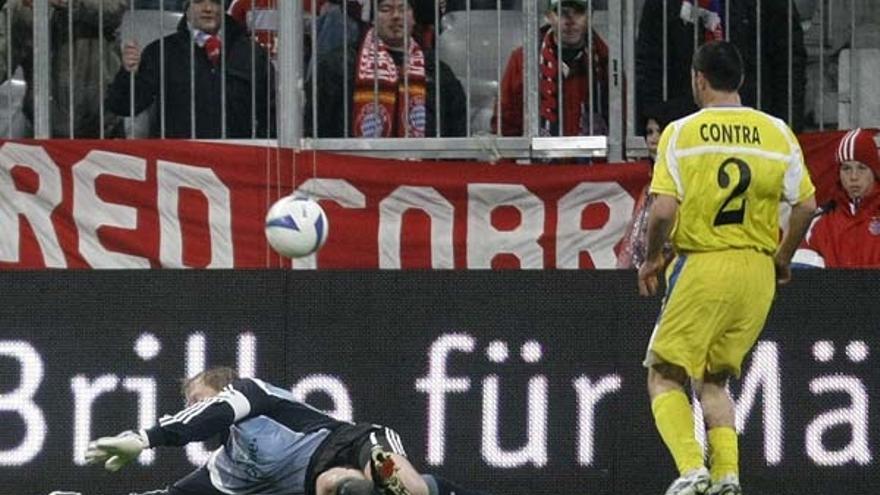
[425, 12]
[847, 232]
[331, 33]
[201, 25]
[743, 31]
[573, 23]
[260, 18]
[398, 101]
[631, 252]
[85, 67]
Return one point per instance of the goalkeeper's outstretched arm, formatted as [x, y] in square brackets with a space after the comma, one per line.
[238, 401]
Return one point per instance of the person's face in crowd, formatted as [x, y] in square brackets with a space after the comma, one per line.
[393, 19]
[571, 25]
[652, 136]
[857, 179]
[205, 15]
[197, 392]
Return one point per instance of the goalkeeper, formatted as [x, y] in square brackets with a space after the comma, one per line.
[273, 444]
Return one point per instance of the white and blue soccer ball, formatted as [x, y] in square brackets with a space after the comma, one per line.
[296, 226]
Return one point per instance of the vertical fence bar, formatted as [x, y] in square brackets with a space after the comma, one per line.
[437, 75]
[162, 95]
[467, 96]
[313, 62]
[591, 107]
[70, 80]
[345, 41]
[498, 61]
[375, 48]
[726, 24]
[760, 56]
[560, 77]
[290, 48]
[821, 65]
[131, 76]
[7, 14]
[192, 82]
[790, 64]
[615, 85]
[530, 52]
[222, 35]
[629, 59]
[101, 79]
[42, 77]
[253, 75]
[407, 29]
[665, 52]
[855, 113]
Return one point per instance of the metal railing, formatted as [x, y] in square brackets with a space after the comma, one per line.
[479, 33]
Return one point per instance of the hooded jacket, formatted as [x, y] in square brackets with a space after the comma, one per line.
[847, 233]
[846, 236]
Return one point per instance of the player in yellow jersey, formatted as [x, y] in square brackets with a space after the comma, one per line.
[719, 178]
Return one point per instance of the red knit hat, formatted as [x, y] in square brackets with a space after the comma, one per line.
[858, 145]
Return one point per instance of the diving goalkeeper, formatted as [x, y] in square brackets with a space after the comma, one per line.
[273, 444]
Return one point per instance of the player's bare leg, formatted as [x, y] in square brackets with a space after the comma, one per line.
[674, 418]
[720, 417]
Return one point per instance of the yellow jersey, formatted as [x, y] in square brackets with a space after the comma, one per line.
[729, 168]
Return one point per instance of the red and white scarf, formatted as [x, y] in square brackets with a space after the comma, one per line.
[709, 14]
[549, 89]
[391, 117]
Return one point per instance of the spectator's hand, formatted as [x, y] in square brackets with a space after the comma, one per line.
[783, 270]
[131, 56]
[648, 276]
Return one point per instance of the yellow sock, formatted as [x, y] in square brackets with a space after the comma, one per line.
[675, 422]
[723, 452]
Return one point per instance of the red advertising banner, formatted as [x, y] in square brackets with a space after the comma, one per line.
[181, 204]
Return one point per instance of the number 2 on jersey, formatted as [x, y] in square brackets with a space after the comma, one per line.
[725, 216]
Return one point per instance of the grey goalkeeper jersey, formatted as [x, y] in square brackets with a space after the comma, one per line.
[271, 437]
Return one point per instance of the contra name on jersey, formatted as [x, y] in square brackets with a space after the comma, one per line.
[711, 132]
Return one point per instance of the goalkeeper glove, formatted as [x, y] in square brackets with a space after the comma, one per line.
[117, 451]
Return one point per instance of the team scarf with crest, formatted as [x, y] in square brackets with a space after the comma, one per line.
[396, 87]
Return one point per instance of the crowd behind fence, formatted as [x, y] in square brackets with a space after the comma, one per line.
[484, 79]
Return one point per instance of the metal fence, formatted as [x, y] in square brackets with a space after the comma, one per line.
[59, 56]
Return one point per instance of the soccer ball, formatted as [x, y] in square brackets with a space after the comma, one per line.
[296, 226]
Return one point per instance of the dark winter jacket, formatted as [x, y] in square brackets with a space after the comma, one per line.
[332, 73]
[743, 27]
[207, 82]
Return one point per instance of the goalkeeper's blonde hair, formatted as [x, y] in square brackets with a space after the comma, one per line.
[217, 378]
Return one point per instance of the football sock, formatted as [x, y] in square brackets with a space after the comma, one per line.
[675, 422]
[723, 452]
[355, 486]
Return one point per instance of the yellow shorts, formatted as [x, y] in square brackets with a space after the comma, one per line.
[715, 306]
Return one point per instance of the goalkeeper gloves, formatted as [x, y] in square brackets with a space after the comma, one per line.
[117, 451]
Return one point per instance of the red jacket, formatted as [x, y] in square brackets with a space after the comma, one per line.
[574, 89]
[845, 239]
